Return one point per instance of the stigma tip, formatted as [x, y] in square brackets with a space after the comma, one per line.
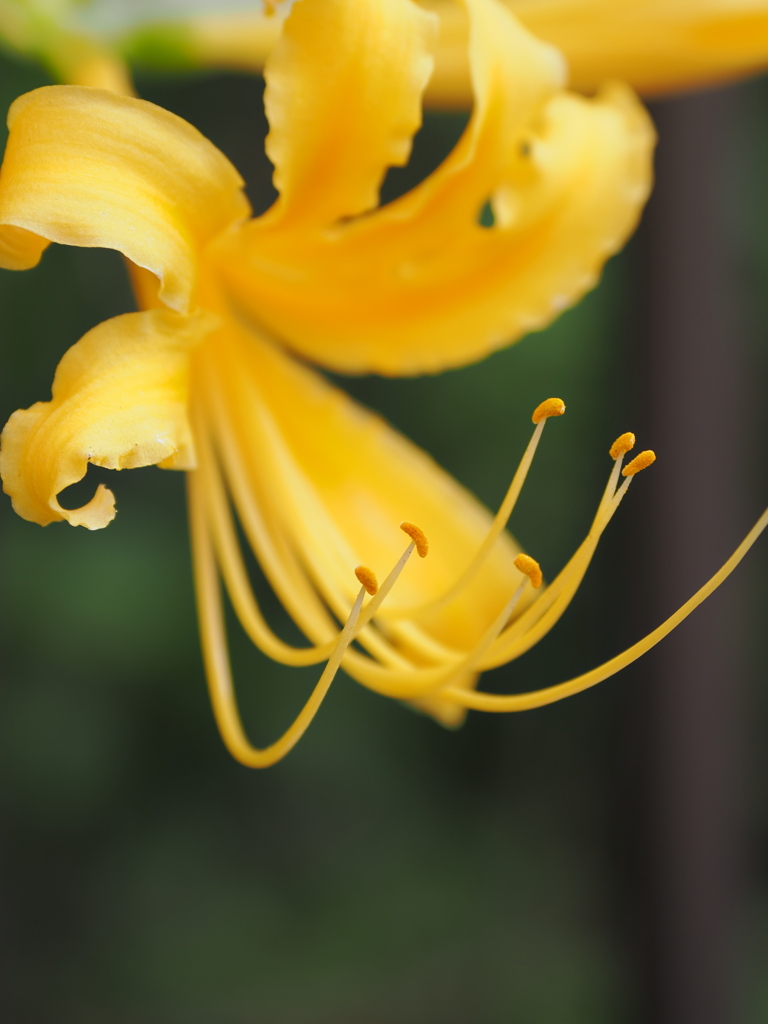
[622, 445]
[418, 537]
[529, 567]
[367, 578]
[641, 461]
[549, 407]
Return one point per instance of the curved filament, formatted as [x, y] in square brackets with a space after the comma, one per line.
[216, 656]
[548, 695]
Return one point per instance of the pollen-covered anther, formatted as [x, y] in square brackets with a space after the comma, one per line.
[529, 567]
[549, 407]
[418, 537]
[622, 445]
[367, 578]
[641, 461]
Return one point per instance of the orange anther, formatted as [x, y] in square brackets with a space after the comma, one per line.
[550, 407]
[418, 537]
[622, 445]
[530, 568]
[641, 461]
[367, 578]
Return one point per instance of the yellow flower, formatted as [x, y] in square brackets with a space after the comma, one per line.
[656, 46]
[204, 378]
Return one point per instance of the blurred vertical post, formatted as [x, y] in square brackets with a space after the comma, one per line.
[697, 415]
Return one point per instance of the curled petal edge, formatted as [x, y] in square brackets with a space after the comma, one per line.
[89, 168]
[119, 401]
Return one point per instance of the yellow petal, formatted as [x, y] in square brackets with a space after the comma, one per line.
[20, 249]
[420, 285]
[119, 400]
[656, 45]
[87, 167]
[343, 99]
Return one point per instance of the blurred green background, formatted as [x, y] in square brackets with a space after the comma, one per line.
[387, 869]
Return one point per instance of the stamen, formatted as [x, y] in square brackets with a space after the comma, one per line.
[276, 557]
[420, 682]
[617, 451]
[530, 568]
[218, 518]
[538, 698]
[640, 462]
[299, 593]
[549, 407]
[623, 444]
[373, 606]
[368, 579]
[216, 653]
[398, 658]
[537, 620]
[418, 537]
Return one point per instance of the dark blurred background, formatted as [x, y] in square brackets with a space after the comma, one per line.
[526, 868]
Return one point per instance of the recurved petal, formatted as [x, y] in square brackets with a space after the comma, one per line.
[343, 99]
[421, 284]
[88, 167]
[119, 400]
[20, 249]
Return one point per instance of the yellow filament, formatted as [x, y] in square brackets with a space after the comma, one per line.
[242, 418]
[640, 462]
[421, 682]
[245, 605]
[216, 656]
[549, 407]
[367, 578]
[264, 522]
[323, 571]
[610, 488]
[373, 606]
[530, 568]
[321, 561]
[367, 671]
[623, 444]
[538, 698]
[497, 527]
[538, 619]
[275, 549]
[278, 561]
[408, 681]
[301, 597]
[219, 522]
